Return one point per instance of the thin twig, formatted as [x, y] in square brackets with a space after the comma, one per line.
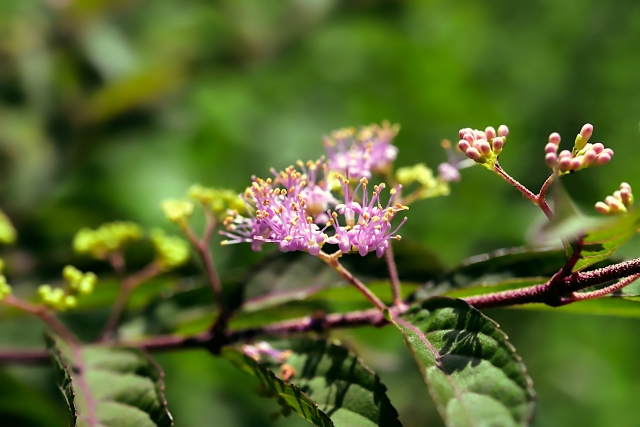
[393, 275]
[332, 260]
[521, 188]
[43, 313]
[204, 252]
[126, 287]
[583, 296]
[542, 196]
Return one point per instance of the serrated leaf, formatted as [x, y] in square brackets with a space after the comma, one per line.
[291, 394]
[603, 241]
[342, 386]
[109, 387]
[472, 371]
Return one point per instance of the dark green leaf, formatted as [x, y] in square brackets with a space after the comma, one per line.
[274, 386]
[494, 267]
[105, 386]
[472, 371]
[341, 385]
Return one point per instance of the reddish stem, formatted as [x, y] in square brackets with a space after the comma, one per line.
[393, 275]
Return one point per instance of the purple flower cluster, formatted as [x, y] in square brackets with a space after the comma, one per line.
[359, 153]
[287, 209]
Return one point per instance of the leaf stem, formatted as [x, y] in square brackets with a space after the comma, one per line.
[126, 287]
[332, 260]
[43, 313]
[393, 275]
[203, 248]
[583, 296]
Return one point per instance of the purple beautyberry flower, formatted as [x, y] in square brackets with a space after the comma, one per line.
[359, 153]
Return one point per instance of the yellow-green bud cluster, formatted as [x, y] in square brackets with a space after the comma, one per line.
[428, 184]
[177, 211]
[7, 232]
[218, 200]
[56, 298]
[618, 203]
[171, 251]
[77, 283]
[5, 289]
[106, 239]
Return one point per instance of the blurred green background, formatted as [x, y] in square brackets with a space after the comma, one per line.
[109, 106]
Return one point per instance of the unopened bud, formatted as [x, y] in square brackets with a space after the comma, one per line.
[490, 132]
[550, 148]
[554, 138]
[551, 160]
[602, 208]
[463, 145]
[498, 143]
[503, 131]
[473, 153]
[586, 131]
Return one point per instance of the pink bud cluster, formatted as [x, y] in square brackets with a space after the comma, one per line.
[584, 154]
[618, 203]
[483, 147]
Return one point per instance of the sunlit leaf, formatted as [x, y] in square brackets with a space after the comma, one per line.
[342, 386]
[603, 241]
[115, 387]
[471, 370]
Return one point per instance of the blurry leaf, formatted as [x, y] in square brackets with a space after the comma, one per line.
[128, 92]
[343, 387]
[20, 405]
[603, 241]
[494, 267]
[472, 371]
[274, 386]
[283, 277]
[110, 386]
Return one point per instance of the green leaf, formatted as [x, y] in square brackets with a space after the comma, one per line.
[105, 386]
[472, 371]
[343, 387]
[494, 267]
[603, 241]
[274, 386]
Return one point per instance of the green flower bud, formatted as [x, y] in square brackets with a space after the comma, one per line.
[171, 251]
[177, 211]
[69, 302]
[107, 238]
[7, 232]
[87, 283]
[71, 274]
[5, 289]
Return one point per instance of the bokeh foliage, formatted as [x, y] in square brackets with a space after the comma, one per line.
[108, 107]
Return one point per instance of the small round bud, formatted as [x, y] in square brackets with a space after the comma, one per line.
[576, 163]
[551, 160]
[603, 159]
[598, 147]
[177, 210]
[70, 301]
[554, 138]
[490, 132]
[469, 138]
[483, 146]
[564, 163]
[503, 131]
[586, 131]
[614, 204]
[473, 153]
[478, 134]
[624, 186]
[498, 143]
[564, 154]
[590, 156]
[463, 145]
[550, 148]
[602, 208]
[463, 132]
